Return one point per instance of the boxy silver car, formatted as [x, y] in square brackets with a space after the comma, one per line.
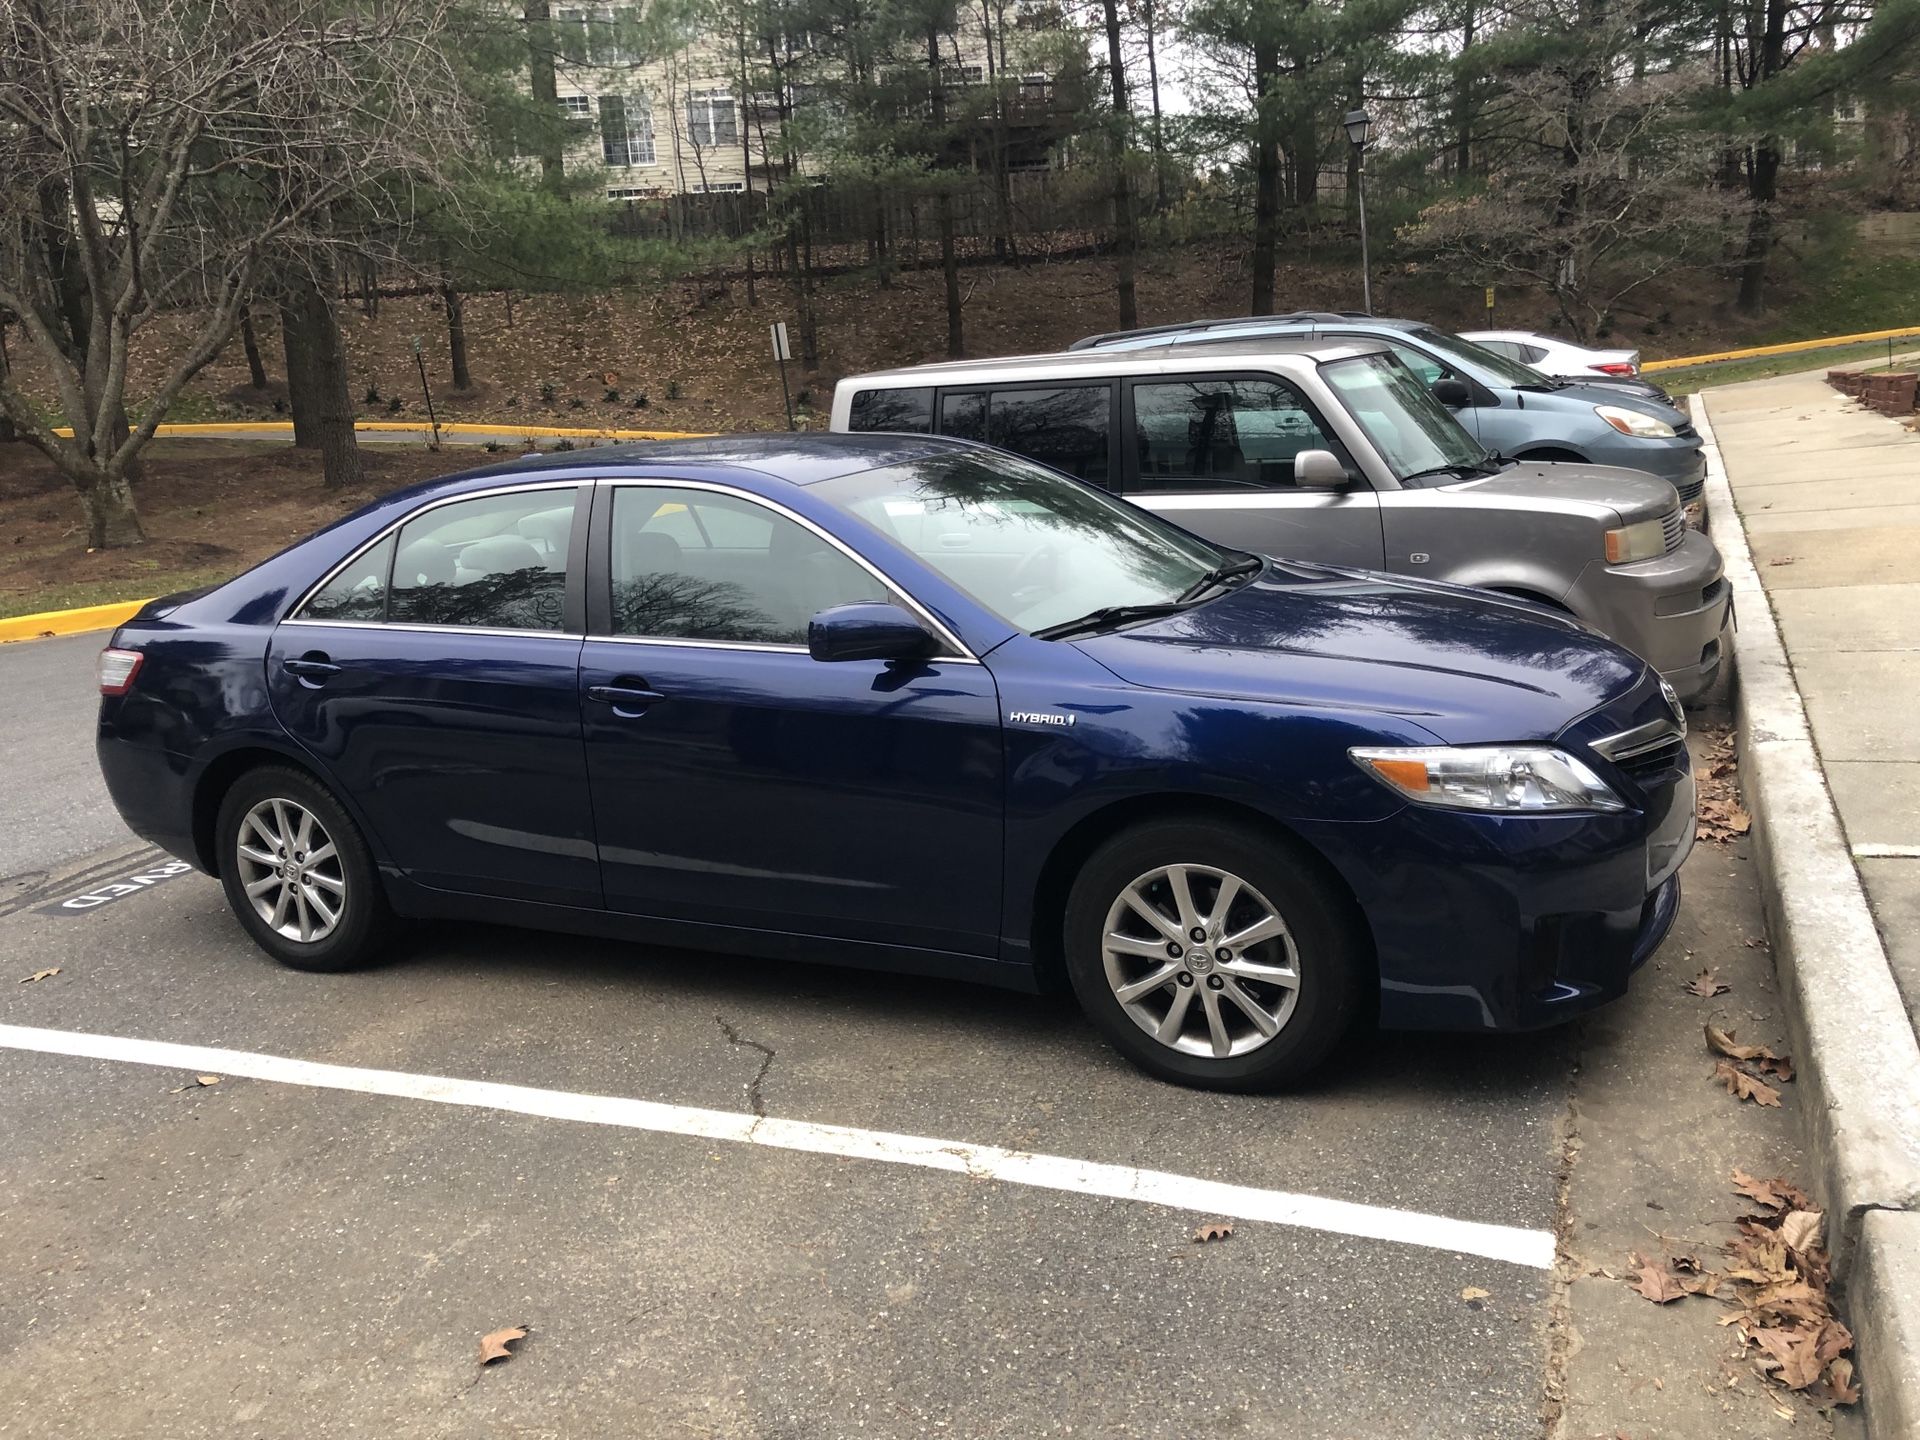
[1334, 451]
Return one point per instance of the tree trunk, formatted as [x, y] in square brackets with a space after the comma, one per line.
[943, 202]
[7, 432]
[250, 342]
[456, 333]
[1463, 103]
[1153, 89]
[543, 82]
[322, 407]
[1762, 185]
[1123, 232]
[1266, 167]
[112, 521]
[1306, 160]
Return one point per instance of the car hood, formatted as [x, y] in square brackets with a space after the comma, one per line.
[1464, 664]
[1598, 393]
[1606, 491]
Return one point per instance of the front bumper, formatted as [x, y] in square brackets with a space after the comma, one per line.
[1671, 611]
[1681, 461]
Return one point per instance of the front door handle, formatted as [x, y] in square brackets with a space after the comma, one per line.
[312, 668]
[626, 698]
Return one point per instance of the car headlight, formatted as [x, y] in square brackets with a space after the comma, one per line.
[1512, 779]
[1632, 422]
[1644, 540]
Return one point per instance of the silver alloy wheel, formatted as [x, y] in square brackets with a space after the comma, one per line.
[291, 871]
[1183, 931]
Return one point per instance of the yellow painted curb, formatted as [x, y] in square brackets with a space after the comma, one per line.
[215, 428]
[69, 622]
[1789, 348]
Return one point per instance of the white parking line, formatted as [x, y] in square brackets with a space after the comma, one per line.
[1507, 1243]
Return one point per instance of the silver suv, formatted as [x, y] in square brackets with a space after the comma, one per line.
[1334, 451]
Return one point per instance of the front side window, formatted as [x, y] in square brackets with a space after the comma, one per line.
[495, 561]
[1029, 545]
[1207, 434]
[909, 410]
[700, 565]
[1452, 347]
[1413, 432]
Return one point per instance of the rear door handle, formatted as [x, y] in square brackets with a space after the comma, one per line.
[624, 697]
[311, 669]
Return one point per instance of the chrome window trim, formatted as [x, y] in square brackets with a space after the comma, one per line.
[1639, 740]
[293, 612]
[960, 655]
[419, 628]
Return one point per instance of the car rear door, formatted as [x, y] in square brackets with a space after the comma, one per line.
[1215, 453]
[434, 678]
[739, 782]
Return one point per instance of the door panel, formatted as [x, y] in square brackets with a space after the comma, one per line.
[1333, 528]
[767, 789]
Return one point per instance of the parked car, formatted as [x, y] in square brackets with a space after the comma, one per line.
[1512, 409]
[1331, 450]
[908, 703]
[1559, 359]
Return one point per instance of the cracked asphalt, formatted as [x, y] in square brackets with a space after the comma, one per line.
[256, 1258]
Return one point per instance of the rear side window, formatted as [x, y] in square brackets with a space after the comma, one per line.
[1066, 427]
[494, 562]
[358, 592]
[907, 410]
[1207, 434]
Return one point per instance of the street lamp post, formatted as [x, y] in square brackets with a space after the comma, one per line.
[1359, 127]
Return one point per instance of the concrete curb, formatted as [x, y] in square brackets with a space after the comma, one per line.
[68, 622]
[1858, 1060]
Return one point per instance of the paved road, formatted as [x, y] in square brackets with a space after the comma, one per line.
[263, 1256]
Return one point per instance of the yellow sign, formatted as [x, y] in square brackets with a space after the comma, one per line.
[1489, 297]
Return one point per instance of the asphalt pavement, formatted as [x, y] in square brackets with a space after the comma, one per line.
[314, 1243]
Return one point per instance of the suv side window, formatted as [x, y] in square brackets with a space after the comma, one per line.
[700, 565]
[1064, 426]
[493, 562]
[908, 410]
[1209, 433]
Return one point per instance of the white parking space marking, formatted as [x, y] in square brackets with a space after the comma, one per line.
[1511, 1244]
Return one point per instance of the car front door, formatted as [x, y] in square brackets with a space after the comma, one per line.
[435, 677]
[739, 782]
[1215, 453]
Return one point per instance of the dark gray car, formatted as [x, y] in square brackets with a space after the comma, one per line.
[1334, 451]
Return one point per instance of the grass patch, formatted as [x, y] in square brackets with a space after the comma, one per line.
[1690, 378]
[81, 594]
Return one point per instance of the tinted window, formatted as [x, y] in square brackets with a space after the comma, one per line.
[1208, 434]
[696, 565]
[358, 592]
[964, 416]
[1065, 427]
[910, 410]
[498, 561]
[1532, 354]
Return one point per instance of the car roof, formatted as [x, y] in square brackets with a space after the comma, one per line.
[1296, 317]
[1160, 359]
[798, 457]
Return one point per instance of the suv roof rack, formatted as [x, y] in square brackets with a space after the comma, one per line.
[1192, 327]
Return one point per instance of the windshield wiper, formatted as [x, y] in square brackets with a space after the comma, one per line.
[1107, 615]
[1460, 470]
[1220, 574]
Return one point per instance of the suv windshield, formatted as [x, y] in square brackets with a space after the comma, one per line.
[1511, 372]
[1414, 432]
[1034, 547]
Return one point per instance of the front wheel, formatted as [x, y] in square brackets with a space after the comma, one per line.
[297, 873]
[1213, 955]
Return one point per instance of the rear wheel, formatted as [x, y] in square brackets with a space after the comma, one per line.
[1213, 955]
[297, 874]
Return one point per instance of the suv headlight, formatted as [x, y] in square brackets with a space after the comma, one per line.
[1632, 422]
[1643, 540]
[1513, 779]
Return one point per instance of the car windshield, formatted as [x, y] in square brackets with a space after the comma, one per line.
[1414, 432]
[1029, 544]
[1510, 372]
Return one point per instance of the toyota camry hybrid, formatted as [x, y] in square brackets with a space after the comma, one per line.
[914, 704]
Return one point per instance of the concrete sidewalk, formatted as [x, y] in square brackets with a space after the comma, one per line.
[1830, 495]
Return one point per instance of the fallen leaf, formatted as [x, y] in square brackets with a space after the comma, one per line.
[1801, 1229]
[1783, 560]
[1838, 1386]
[47, 974]
[198, 1082]
[1474, 1292]
[1744, 1086]
[1780, 1066]
[1778, 1194]
[494, 1347]
[1722, 1042]
[1213, 1230]
[1706, 985]
[1655, 1282]
[1797, 1353]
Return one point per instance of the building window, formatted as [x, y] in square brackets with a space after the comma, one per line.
[626, 130]
[570, 35]
[720, 187]
[963, 74]
[577, 107]
[610, 36]
[710, 120]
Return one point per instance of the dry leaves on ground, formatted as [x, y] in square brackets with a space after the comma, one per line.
[1775, 1287]
[495, 1347]
[46, 974]
[199, 1082]
[1722, 817]
[1212, 1230]
[1732, 1072]
[1706, 985]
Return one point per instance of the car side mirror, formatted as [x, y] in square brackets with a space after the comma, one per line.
[1319, 470]
[868, 630]
[1451, 392]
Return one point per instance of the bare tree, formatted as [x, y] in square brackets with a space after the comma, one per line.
[155, 155]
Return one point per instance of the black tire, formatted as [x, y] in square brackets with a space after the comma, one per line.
[365, 921]
[1330, 956]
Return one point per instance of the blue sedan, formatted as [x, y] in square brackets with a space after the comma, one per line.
[914, 704]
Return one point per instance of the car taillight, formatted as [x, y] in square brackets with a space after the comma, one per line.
[117, 669]
[1616, 367]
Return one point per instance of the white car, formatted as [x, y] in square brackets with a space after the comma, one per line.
[1563, 360]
